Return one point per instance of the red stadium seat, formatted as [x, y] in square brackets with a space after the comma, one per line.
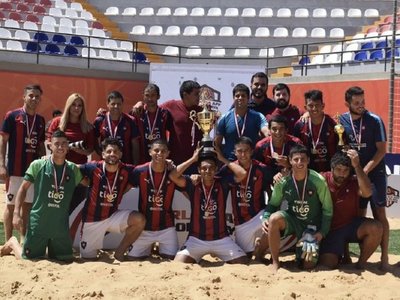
[15, 16]
[97, 25]
[6, 6]
[46, 3]
[21, 7]
[38, 9]
[33, 18]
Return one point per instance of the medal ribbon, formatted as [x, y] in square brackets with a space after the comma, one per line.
[152, 126]
[304, 188]
[357, 137]
[55, 175]
[153, 183]
[207, 197]
[271, 146]
[315, 144]
[29, 129]
[240, 132]
[243, 195]
[110, 188]
[113, 133]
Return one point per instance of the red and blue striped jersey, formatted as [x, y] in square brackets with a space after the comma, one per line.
[207, 219]
[126, 132]
[98, 206]
[22, 148]
[154, 202]
[151, 129]
[248, 196]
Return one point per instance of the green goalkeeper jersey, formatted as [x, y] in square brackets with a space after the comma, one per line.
[316, 207]
[50, 208]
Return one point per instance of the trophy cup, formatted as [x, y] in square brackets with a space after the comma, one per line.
[339, 130]
[205, 121]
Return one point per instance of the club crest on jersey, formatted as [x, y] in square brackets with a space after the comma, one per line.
[10, 197]
[83, 244]
[310, 192]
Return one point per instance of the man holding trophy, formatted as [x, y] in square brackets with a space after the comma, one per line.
[239, 121]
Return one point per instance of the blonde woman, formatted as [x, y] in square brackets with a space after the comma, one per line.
[80, 135]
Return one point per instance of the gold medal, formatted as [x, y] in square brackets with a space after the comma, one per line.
[109, 197]
[56, 195]
[150, 137]
[28, 141]
[314, 151]
[206, 213]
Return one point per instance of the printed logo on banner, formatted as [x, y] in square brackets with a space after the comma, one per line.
[392, 196]
[210, 95]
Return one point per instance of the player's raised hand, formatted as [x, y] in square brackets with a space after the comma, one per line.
[355, 159]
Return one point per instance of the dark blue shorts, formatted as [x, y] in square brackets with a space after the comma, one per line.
[336, 239]
[379, 186]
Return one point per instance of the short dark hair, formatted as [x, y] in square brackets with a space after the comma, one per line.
[152, 87]
[259, 75]
[58, 134]
[340, 158]
[298, 149]
[313, 95]
[278, 119]
[245, 140]
[281, 86]
[159, 142]
[241, 88]
[111, 141]
[56, 113]
[31, 87]
[114, 95]
[353, 91]
[212, 158]
[187, 87]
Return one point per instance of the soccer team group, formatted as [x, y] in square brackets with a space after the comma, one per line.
[317, 191]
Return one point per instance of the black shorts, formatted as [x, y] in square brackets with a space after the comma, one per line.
[336, 239]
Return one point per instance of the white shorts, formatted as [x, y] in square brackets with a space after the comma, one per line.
[246, 233]
[14, 182]
[167, 239]
[93, 232]
[225, 248]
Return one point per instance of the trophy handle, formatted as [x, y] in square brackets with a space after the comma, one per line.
[193, 117]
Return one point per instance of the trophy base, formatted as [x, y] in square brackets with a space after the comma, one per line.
[208, 151]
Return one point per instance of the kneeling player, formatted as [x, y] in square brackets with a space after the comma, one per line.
[109, 180]
[347, 224]
[54, 181]
[156, 193]
[208, 232]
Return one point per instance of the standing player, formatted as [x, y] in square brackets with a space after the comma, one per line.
[259, 100]
[347, 224]
[281, 94]
[366, 133]
[153, 122]
[317, 133]
[274, 149]
[119, 125]
[208, 232]
[309, 204]
[248, 196]
[184, 134]
[23, 131]
[54, 180]
[156, 193]
[239, 121]
[108, 181]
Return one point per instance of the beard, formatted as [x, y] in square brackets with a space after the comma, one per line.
[356, 112]
[281, 104]
[339, 179]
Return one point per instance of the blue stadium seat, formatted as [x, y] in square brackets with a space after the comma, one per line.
[33, 47]
[41, 37]
[376, 55]
[361, 56]
[139, 57]
[59, 39]
[389, 53]
[52, 49]
[76, 40]
[367, 45]
[381, 44]
[70, 51]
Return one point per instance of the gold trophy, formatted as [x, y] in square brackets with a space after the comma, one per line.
[339, 130]
[205, 121]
